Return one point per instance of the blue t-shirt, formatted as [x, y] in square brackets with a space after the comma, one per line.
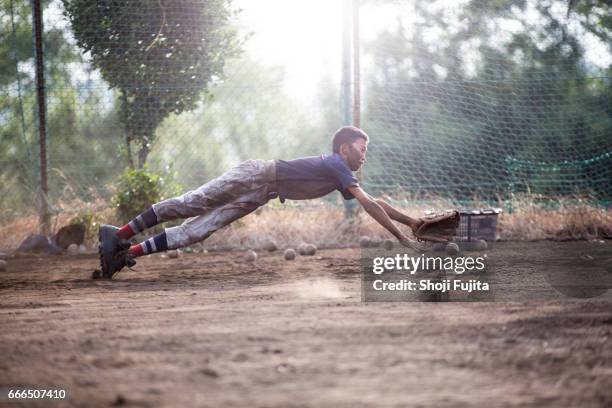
[313, 177]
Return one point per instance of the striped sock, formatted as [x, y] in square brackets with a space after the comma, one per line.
[156, 244]
[136, 250]
[142, 221]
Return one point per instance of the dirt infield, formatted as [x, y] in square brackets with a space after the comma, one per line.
[212, 330]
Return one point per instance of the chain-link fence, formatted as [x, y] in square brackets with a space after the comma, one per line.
[184, 88]
[461, 99]
[490, 98]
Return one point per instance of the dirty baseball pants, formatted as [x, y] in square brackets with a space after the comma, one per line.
[219, 202]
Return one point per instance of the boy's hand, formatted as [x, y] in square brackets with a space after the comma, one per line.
[416, 225]
[405, 242]
[438, 228]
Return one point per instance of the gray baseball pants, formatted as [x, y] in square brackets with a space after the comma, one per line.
[219, 202]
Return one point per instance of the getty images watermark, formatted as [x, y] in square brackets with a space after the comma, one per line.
[518, 273]
[411, 264]
[410, 277]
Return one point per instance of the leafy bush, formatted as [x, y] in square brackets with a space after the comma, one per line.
[139, 189]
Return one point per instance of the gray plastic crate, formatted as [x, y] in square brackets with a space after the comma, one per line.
[475, 225]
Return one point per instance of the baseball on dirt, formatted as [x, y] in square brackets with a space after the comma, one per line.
[452, 248]
[301, 249]
[364, 241]
[270, 246]
[173, 254]
[375, 242]
[250, 256]
[388, 244]
[289, 254]
[307, 249]
[481, 245]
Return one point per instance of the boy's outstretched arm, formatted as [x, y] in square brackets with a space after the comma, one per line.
[377, 211]
[397, 215]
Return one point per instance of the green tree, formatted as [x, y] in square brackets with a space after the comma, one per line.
[18, 138]
[457, 93]
[160, 56]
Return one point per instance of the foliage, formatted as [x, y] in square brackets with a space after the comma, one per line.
[18, 139]
[160, 56]
[81, 124]
[491, 113]
[139, 189]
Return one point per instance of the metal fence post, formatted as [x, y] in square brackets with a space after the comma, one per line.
[37, 26]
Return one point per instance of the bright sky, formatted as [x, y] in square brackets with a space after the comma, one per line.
[304, 37]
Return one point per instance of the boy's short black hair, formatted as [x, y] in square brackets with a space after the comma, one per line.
[347, 134]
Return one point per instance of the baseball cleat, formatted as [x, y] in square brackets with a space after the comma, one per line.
[113, 251]
[122, 259]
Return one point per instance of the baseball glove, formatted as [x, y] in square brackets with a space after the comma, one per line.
[439, 227]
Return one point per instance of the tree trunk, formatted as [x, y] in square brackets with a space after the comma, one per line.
[128, 151]
[128, 136]
[143, 153]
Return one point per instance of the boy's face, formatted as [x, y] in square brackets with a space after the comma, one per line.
[355, 153]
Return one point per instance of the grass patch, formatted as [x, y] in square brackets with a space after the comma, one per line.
[325, 224]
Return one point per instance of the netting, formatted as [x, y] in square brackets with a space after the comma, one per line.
[462, 99]
[187, 89]
[488, 99]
